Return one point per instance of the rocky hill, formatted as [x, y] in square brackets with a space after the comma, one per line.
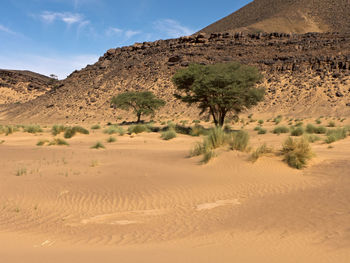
[288, 16]
[21, 86]
[305, 75]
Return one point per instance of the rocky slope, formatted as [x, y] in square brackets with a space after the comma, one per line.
[289, 16]
[305, 75]
[21, 86]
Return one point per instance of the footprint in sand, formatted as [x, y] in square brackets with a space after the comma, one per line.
[208, 206]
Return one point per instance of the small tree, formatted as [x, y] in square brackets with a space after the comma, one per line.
[219, 89]
[142, 103]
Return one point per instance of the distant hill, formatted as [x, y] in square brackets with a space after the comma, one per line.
[19, 86]
[287, 16]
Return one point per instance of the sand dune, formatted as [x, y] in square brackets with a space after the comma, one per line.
[142, 200]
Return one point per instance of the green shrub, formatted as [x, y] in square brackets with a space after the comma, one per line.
[278, 119]
[111, 139]
[297, 131]
[114, 129]
[98, 145]
[239, 141]
[95, 127]
[7, 130]
[168, 135]
[59, 142]
[196, 121]
[299, 124]
[336, 135]
[139, 128]
[320, 130]
[57, 129]
[331, 124]
[32, 129]
[260, 151]
[257, 128]
[216, 138]
[280, 129]
[312, 138]
[318, 121]
[261, 122]
[42, 142]
[297, 152]
[262, 131]
[207, 156]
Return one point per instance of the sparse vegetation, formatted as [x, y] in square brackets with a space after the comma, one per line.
[96, 127]
[59, 142]
[168, 135]
[114, 129]
[297, 131]
[42, 142]
[312, 138]
[32, 129]
[57, 129]
[111, 139]
[139, 128]
[336, 135]
[71, 131]
[207, 156]
[297, 152]
[21, 171]
[262, 131]
[280, 129]
[98, 145]
[331, 124]
[259, 152]
[239, 141]
[278, 119]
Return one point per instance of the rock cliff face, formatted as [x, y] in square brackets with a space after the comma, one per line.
[20, 86]
[289, 16]
[306, 74]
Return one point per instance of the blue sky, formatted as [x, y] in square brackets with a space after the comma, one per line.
[59, 36]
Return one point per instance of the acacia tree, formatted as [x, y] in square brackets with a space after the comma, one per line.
[219, 89]
[142, 103]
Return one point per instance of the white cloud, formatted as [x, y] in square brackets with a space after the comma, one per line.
[113, 31]
[66, 17]
[61, 66]
[7, 30]
[131, 33]
[172, 28]
[127, 34]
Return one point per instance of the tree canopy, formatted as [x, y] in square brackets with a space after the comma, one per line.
[219, 89]
[142, 103]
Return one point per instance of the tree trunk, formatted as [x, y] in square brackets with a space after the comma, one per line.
[138, 117]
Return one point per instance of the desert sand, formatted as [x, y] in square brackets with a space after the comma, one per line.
[143, 200]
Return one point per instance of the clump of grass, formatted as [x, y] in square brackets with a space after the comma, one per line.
[297, 131]
[59, 142]
[115, 129]
[7, 130]
[297, 152]
[42, 142]
[239, 141]
[98, 145]
[111, 139]
[71, 131]
[310, 128]
[278, 119]
[95, 127]
[196, 121]
[207, 156]
[139, 128]
[259, 152]
[262, 131]
[32, 129]
[336, 135]
[169, 134]
[331, 124]
[261, 122]
[299, 124]
[280, 129]
[21, 171]
[312, 138]
[318, 121]
[57, 129]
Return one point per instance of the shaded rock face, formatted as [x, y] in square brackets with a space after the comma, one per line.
[304, 75]
[290, 16]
